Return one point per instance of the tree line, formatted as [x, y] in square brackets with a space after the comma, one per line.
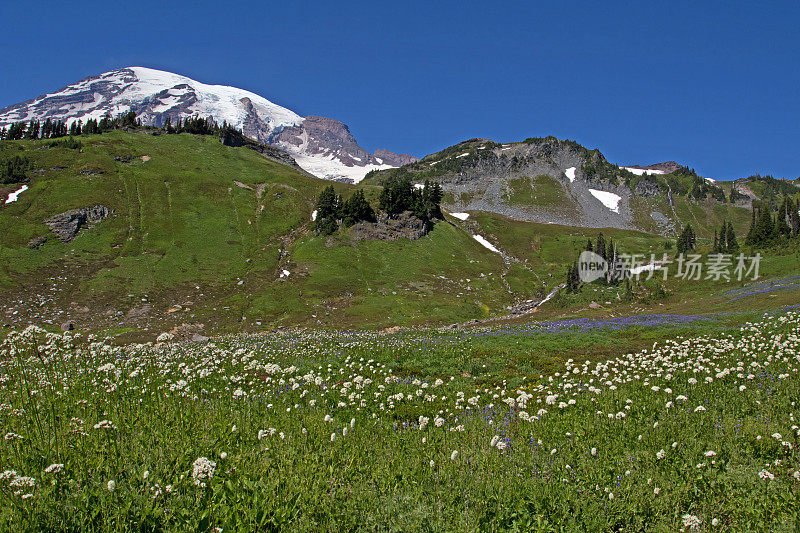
[49, 129]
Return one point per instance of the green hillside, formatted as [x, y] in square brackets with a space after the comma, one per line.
[201, 233]
[217, 239]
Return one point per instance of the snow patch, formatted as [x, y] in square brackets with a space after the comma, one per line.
[12, 197]
[609, 199]
[460, 216]
[570, 172]
[465, 154]
[285, 273]
[641, 171]
[419, 185]
[314, 215]
[486, 244]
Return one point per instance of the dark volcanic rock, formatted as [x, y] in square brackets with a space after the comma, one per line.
[66, 225]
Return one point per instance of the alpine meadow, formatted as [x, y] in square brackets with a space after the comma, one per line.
[575, 308]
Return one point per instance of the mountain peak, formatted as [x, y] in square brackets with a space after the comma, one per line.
[322, 146]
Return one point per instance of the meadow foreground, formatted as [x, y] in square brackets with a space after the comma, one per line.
[325, 431]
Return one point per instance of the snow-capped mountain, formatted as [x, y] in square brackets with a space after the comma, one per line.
[322, 146]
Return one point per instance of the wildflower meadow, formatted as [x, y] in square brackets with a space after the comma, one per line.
[326, 431]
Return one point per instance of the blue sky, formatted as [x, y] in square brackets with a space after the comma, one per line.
[714, 85]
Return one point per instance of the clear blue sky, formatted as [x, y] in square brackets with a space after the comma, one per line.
[714, 85]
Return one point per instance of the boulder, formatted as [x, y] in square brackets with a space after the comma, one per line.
[66, 225]
[68, 326]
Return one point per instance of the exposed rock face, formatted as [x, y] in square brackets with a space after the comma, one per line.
[322, 146]
[666, 167]
[405, 226]
[324, 136]
[646, 188]
[385, 157]
[66, 225]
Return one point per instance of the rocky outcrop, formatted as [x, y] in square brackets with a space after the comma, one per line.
[405, 226]
[324, 136]
[66, 225]
[385, 157]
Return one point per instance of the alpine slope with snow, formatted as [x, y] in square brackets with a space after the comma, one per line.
[322, 146]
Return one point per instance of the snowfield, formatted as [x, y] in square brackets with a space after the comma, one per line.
[331, 168]
[460, 216]
[570, 173]
[609, 199]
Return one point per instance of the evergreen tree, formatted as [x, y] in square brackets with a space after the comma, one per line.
[13, 170]
[589, 246]
[326, 203]
[794, 217]
[573, 278]
[15, 131]
[357, 209]
[600, 247]
[686, 240]
[732, 246]
[129, 119]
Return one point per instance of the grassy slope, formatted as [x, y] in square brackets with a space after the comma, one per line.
[178, 221]
[182, 232]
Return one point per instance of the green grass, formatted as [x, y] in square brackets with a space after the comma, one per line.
[539, 191]
[310, 432]
[182, 232]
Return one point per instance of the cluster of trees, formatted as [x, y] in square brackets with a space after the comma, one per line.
[766, 228]
[35, 129]
[332, 209]
[725, 241]
[399, 195]
[608, 251]
[13, 170]
[687, 241]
